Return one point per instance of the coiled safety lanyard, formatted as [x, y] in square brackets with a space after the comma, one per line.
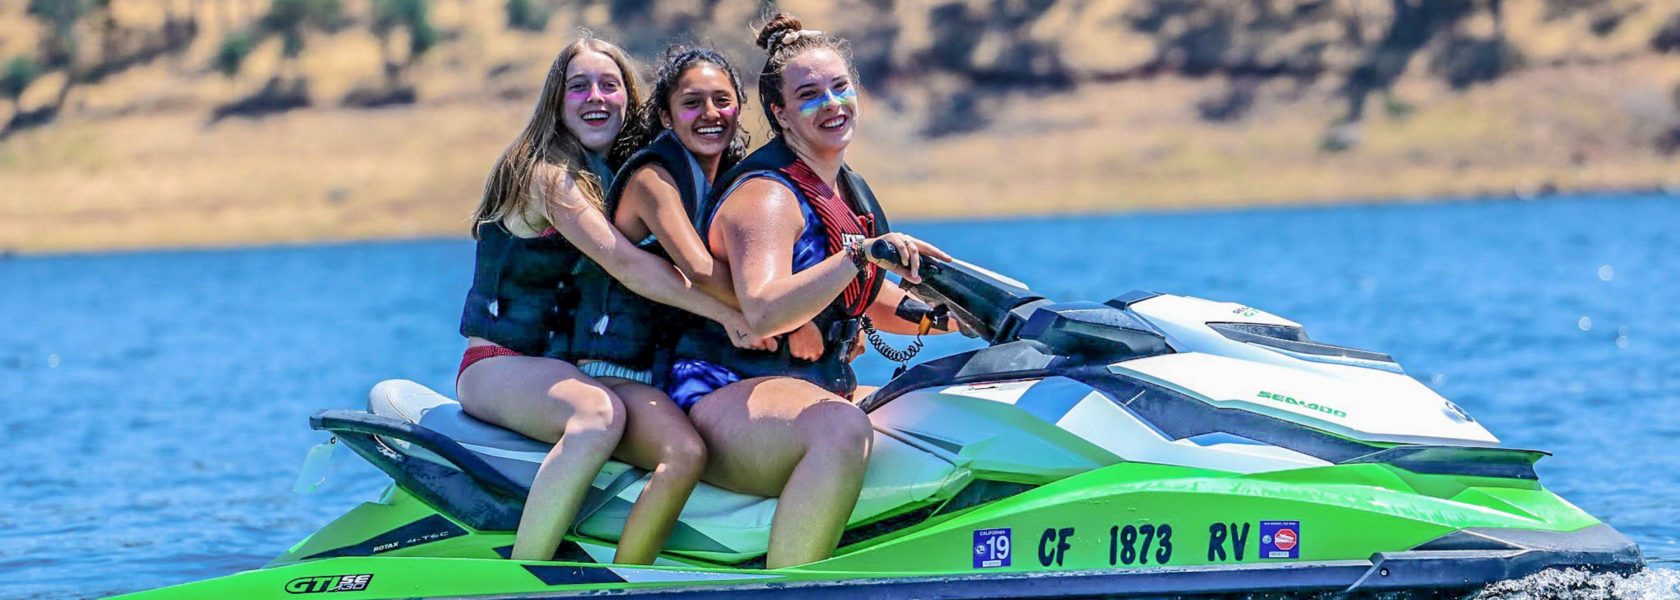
[929, 319]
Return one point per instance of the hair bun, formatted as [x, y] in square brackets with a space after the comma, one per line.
[782, 22]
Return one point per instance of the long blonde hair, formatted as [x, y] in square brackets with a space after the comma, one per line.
[546, 140]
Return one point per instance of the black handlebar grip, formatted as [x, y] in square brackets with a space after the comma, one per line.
[886, 251]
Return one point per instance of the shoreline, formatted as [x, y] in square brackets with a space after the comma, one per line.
[1670, 192]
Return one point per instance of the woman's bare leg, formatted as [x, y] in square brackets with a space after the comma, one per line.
[658, 437]
[785, 437]
[549, 400]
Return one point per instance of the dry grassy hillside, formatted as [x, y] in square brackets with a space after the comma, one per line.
[974, 108]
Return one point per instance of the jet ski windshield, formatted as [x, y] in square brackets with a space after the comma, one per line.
[1293, 340]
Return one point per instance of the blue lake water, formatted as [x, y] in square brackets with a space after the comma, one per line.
[155, 403]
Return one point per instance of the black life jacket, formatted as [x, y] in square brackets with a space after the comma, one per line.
[710, 342]
[520, 290]
[611, 322]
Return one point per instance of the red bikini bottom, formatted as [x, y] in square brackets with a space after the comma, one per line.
[478, 353]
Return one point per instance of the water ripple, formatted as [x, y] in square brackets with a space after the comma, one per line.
[1650, 584]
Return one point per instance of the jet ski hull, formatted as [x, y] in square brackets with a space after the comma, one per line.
[426, 577]
[1125, 530]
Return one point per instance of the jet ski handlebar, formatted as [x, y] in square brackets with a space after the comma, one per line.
[982, 301]
[883, 250]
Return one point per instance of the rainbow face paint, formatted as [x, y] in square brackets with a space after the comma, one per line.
[583, 95]
[810, 107]
[689, 115]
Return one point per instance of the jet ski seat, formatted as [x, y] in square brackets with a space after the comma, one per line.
[716, 524]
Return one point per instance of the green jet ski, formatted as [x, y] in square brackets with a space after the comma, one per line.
[1148, 445]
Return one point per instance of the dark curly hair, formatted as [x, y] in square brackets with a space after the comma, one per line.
[679, 59]
[778, 54]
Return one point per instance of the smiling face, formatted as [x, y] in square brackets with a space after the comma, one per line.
[593, 108]
[821, 100]
[702, 110]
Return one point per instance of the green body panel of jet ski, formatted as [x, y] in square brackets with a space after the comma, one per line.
[1123, 518]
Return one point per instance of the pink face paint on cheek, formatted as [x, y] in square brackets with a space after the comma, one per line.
[728, 112]
[577, 97]
[690, 114]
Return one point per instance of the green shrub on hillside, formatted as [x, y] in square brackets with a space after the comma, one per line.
[291, 18]
[408, 14]
[526, 15]
[59, 18]
[20, 72]
[1466, 61]
[231, 54]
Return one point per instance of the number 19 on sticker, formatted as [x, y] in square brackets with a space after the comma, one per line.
[991, 548]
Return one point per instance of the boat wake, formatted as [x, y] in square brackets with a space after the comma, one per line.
[1574, 584]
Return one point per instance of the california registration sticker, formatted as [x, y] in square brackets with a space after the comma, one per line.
[1280, 539]
[991, 548]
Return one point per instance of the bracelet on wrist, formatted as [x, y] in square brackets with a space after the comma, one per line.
[854, 251]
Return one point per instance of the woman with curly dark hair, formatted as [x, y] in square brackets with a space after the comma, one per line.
[690, 132]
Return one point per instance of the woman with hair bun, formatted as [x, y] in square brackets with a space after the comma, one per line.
[791, 224]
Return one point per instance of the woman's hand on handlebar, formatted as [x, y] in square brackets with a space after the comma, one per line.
[909, 251]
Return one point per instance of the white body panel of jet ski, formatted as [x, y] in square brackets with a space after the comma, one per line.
[1356, 398]
[715, 523]
[1057, 427]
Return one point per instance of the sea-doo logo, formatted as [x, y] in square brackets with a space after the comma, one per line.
[329, 583]
[1307, 405]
